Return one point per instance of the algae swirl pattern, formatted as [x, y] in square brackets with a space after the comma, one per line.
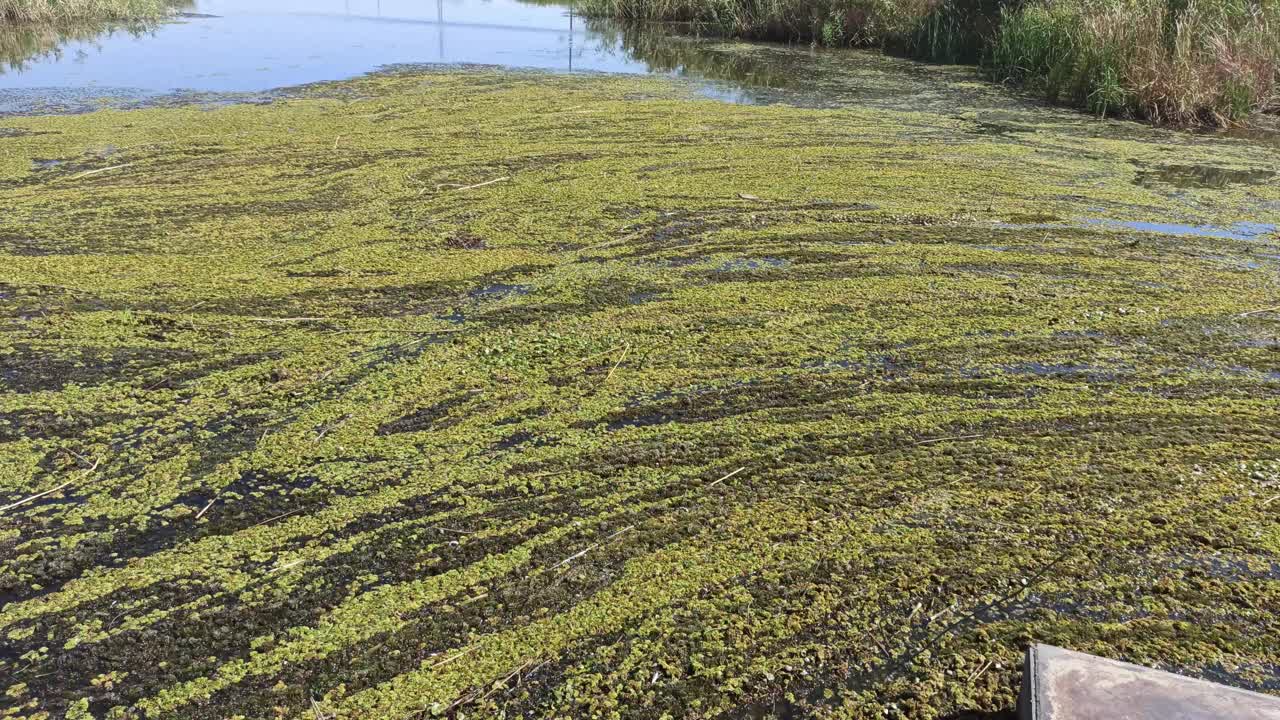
[493, 395]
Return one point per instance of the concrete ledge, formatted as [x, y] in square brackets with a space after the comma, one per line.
[1059, 684]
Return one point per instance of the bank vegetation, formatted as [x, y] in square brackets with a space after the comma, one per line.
[1182, 62]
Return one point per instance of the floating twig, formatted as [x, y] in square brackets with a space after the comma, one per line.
[287, 319]
[502, 684]
[979, 672]
[405, 331]
[206, 508]
[468, 651]
[625, 350]
[1259, 312]
[940, 613]
[919, 606]
[726, 477]
[51, 491]
[944, 439]
[277, 517]
[319, 712]
[480, 185]
[278, 568]
[599, 354]
[452, 530]
[577, 555]
[87, 173]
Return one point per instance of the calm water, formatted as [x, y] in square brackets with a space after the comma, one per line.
[220, 46]
[248, 45]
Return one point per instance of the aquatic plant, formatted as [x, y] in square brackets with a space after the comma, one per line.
[569, 396]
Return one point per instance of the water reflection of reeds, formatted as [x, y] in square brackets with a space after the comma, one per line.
[24, 42]
[667, 50]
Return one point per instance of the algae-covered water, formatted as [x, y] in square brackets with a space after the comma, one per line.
[470, 392]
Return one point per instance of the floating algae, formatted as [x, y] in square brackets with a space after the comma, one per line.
[843, 451]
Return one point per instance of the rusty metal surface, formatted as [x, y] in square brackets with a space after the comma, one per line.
[1061, 684]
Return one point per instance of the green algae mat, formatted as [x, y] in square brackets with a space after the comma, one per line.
[517, 395]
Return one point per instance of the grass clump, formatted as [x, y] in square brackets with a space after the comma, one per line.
[58, 11]
[1186, 62]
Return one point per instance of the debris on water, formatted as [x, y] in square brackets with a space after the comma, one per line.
[640, 298]
[1031, 218]
[744, 264]
[498, 291]
[1086, 371]
[1244, 230]
[997, 129]
[466, 241]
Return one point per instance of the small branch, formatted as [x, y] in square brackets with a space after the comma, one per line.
[278, 568]
[577, 555]
[726, 477]
[206, 508]
[501, 685]
[277, 517]
[468, 651]
[599, 354]
[944, 439]
[479, 185]
[625, 350]
[1259, 312]
[445, 529]
[287, 319]
[99, 170]
[979, 672]
[39, 495]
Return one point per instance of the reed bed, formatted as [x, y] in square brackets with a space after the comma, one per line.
[1186, 62]
[1182, 62]
[56, 11]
